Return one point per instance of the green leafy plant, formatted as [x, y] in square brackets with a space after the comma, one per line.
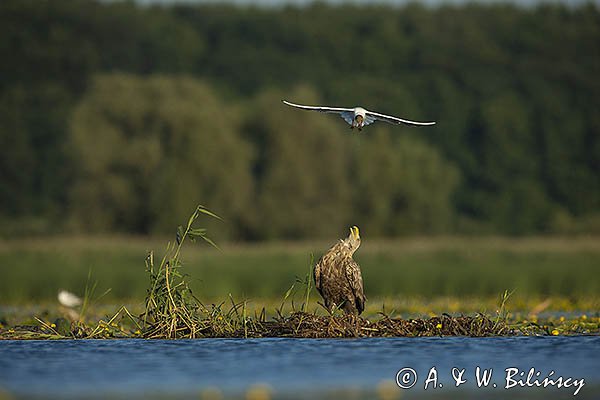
[172, 310]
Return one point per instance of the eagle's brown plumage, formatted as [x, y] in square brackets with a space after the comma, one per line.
[338, 278]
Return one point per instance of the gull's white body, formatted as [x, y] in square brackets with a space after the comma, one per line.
[68, 299]
[358, 117]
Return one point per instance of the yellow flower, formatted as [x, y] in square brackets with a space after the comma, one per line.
[138, 332]
[11, 331]
[439, 326]
[555, 332]
[53, 325]
[562, 318]
[584, 317]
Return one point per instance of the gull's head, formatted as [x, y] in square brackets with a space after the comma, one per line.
[359, 117]
[358, 121]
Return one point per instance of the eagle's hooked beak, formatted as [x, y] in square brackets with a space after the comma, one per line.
[354, 232]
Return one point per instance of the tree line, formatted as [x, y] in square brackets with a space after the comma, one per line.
[117, 117]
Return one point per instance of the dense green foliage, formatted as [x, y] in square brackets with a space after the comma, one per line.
[145, 155]
[124, 117]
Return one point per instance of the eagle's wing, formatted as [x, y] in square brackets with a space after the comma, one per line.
[354, 277]
[336, 110]
[392, 120]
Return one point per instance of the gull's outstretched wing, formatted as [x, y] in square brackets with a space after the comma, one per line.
[369, 119]
[348, 116]
[394, 120]
[336, 110]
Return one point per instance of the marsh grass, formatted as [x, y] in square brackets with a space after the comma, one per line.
[89, 296]
[172, 311]
[401, 270]
[502, 312]
[303, 286]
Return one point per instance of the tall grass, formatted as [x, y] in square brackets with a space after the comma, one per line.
[89, 296]
[172, 310]
[33, 271]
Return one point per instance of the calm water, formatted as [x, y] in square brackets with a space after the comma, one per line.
[291, 368]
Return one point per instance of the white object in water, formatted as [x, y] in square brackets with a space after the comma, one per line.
[68, 299]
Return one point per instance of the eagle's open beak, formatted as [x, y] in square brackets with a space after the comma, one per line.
[354, 232]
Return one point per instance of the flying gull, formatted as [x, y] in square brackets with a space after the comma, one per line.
[359, 117]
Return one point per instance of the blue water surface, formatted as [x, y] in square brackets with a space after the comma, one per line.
[293, 368]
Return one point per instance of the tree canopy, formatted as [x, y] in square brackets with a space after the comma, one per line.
[134, 114]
